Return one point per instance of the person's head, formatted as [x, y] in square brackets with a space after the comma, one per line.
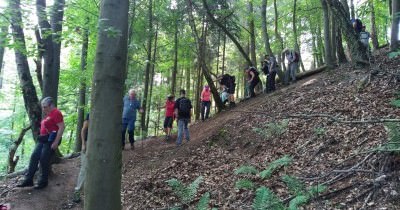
[171, 97]
[266, 56]
[206, 87]
[47, 104]
[363, 28]
[182, 92]
[132, 93]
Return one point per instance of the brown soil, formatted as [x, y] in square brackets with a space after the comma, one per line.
[324, 150]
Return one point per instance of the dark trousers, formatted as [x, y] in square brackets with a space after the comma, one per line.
[271, 81]
[252, 85]
[41, 154]
[204, 105]
[130, 133]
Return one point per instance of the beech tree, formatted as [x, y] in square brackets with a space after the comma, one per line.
[103, 183]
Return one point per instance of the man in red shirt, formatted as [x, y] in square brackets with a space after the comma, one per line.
[51, 130]
[169, 115]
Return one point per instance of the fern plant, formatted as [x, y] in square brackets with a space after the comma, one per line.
[244, 184]
[203, 202]
[393, 144]
[272, 130]
[295, 186]
[395, 103]
[246, 170]
[186, 194]
[276, 164]
[266, 199]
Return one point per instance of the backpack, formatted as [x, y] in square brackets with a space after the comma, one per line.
[265, 67]
[296, 57]
[254, 70]
[184, 107]
[364, 38]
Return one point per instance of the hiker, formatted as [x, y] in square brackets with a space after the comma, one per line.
[82, 171]
[183, 112]
[357, 25]
[131, 104]
[265, 69]
[293, 58]
[205, 99]
[271, 74]
[51, 129]
[169, 115]
[227, 83]
[252, 80]
[364, 38]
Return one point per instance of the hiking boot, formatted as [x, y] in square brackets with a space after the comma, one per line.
[132, 146]
[76, 197]
[40, 185]
[26, 183]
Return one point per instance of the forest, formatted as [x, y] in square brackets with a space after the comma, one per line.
[87, 55]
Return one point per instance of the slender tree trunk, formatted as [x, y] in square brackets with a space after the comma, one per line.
[223, 55]
[252, 34]
[346, 8]
[12, 159]
[175, 69]
[321, 48]
[51, 45]
[339, 45]
[31, 100]
[148, 68]
[265, 34]
[103, 180]
[3, 33]
[281, 58]
[394, 40]
[39, 58]
[352, 10]
[374, 33]
[82, 88]
[333, 33]
[153, 61]
[225, 30]
[327, 40]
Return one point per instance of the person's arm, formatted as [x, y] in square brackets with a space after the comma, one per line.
[61, 127]
[252, 76]
[83, 135]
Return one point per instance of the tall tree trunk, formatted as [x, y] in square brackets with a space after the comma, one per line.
[175, 69]
[374, 33]
[226, 31]
[51, 37]
[352, 10]
[357, 49]
[252, 34]
[31, 100]
[148, 68]
[39, 58]
[223, 55]
[339, 45]
[327, 40]
[321, 48]
[3, 34]
[265, 34]
[333, 33]
[82, 88]
[152, 73]
[103, 183]
[346, 8]
[281, 58]
[394, 40]
[200, 47]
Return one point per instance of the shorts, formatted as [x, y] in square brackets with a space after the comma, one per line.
[168, 122]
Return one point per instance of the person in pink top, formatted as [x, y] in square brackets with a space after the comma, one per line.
[169, 115]
[205, 102]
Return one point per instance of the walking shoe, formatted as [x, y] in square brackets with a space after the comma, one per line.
[26, 183]
[40, 185]
[132, 146]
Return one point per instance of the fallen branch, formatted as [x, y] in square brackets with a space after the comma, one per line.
[340, 120]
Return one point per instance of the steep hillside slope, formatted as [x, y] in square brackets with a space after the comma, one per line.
[324, 129]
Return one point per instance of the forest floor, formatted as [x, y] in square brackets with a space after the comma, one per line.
[327, 123]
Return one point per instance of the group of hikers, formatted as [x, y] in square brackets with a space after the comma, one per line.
[52, 125]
